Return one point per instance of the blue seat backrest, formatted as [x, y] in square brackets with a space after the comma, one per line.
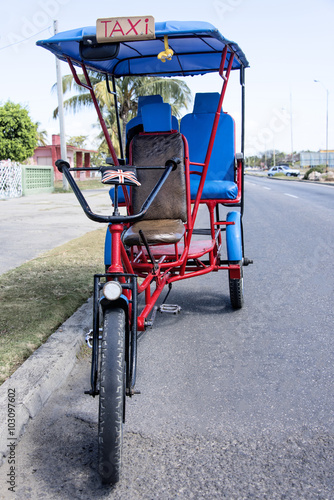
[157, 117]
[196, 127]
[144, 100]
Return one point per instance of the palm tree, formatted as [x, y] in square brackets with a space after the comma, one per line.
[174, 91]
[41, 135]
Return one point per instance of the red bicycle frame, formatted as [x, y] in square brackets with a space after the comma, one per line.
[172, 262]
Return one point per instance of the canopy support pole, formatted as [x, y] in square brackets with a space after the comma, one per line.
[89, 87]
[242, 83]
[225, 78]
[117, 118]
[114, 93]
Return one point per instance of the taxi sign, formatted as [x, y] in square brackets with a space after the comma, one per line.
[116, 29]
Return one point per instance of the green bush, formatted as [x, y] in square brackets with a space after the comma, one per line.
[321, 169]
[17, 133]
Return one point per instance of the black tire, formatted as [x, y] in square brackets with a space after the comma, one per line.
[237, 291]
[112, 395]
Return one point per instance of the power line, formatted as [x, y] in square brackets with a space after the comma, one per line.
[24, 39]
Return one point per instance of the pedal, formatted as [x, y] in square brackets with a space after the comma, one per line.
[169, 308]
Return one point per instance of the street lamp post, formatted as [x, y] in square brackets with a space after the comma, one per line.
[327, 93]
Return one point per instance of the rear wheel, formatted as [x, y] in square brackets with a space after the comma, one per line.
[237, 291]
[112, 395]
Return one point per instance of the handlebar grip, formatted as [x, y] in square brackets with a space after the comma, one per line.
[62, 163]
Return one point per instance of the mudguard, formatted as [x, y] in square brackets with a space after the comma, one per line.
[107, 248]
[122, 302]
[234, 237]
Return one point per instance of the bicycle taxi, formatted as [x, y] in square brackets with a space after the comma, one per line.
[168, 172]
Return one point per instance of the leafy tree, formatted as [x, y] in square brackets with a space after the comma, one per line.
[17, 133]
[77, 141]
[99, 158]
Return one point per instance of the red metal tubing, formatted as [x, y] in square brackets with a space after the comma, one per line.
[116, 245]
[126, 260]
[187, 174]
[200, 272]
[150, 303]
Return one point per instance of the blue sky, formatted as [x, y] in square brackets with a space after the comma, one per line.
[289, 44]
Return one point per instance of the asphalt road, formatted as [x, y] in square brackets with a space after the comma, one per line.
[320, 195]
[233, 404]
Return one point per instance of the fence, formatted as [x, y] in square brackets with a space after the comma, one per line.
[10, 180]
[309, 159]
[17, 180]
[37, 179]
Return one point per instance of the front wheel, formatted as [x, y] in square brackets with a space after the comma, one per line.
[237, 291]
[112, 395]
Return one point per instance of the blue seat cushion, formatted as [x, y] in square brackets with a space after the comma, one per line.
[214, 190]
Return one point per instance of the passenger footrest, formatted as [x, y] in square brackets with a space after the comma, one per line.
[206, 232]
[169, 308]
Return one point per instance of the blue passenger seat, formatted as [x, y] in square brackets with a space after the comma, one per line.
[135, 125]
[196, 127]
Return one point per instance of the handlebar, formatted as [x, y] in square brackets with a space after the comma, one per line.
[64, 167]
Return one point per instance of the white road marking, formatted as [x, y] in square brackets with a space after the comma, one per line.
[291, 195]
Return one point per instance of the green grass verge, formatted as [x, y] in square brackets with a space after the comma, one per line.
[283, 176]
[88, 184]
[37, 297]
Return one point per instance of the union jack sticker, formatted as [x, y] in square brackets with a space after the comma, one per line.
[120, 176]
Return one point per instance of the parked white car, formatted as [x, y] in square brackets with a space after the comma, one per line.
[283, 169]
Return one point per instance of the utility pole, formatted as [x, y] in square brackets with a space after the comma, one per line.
[327, 93]
[63, 150]
[291, 128]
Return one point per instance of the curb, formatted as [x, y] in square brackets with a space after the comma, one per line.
[39, 376]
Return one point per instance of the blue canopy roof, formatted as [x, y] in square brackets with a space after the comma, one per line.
[197, 50]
